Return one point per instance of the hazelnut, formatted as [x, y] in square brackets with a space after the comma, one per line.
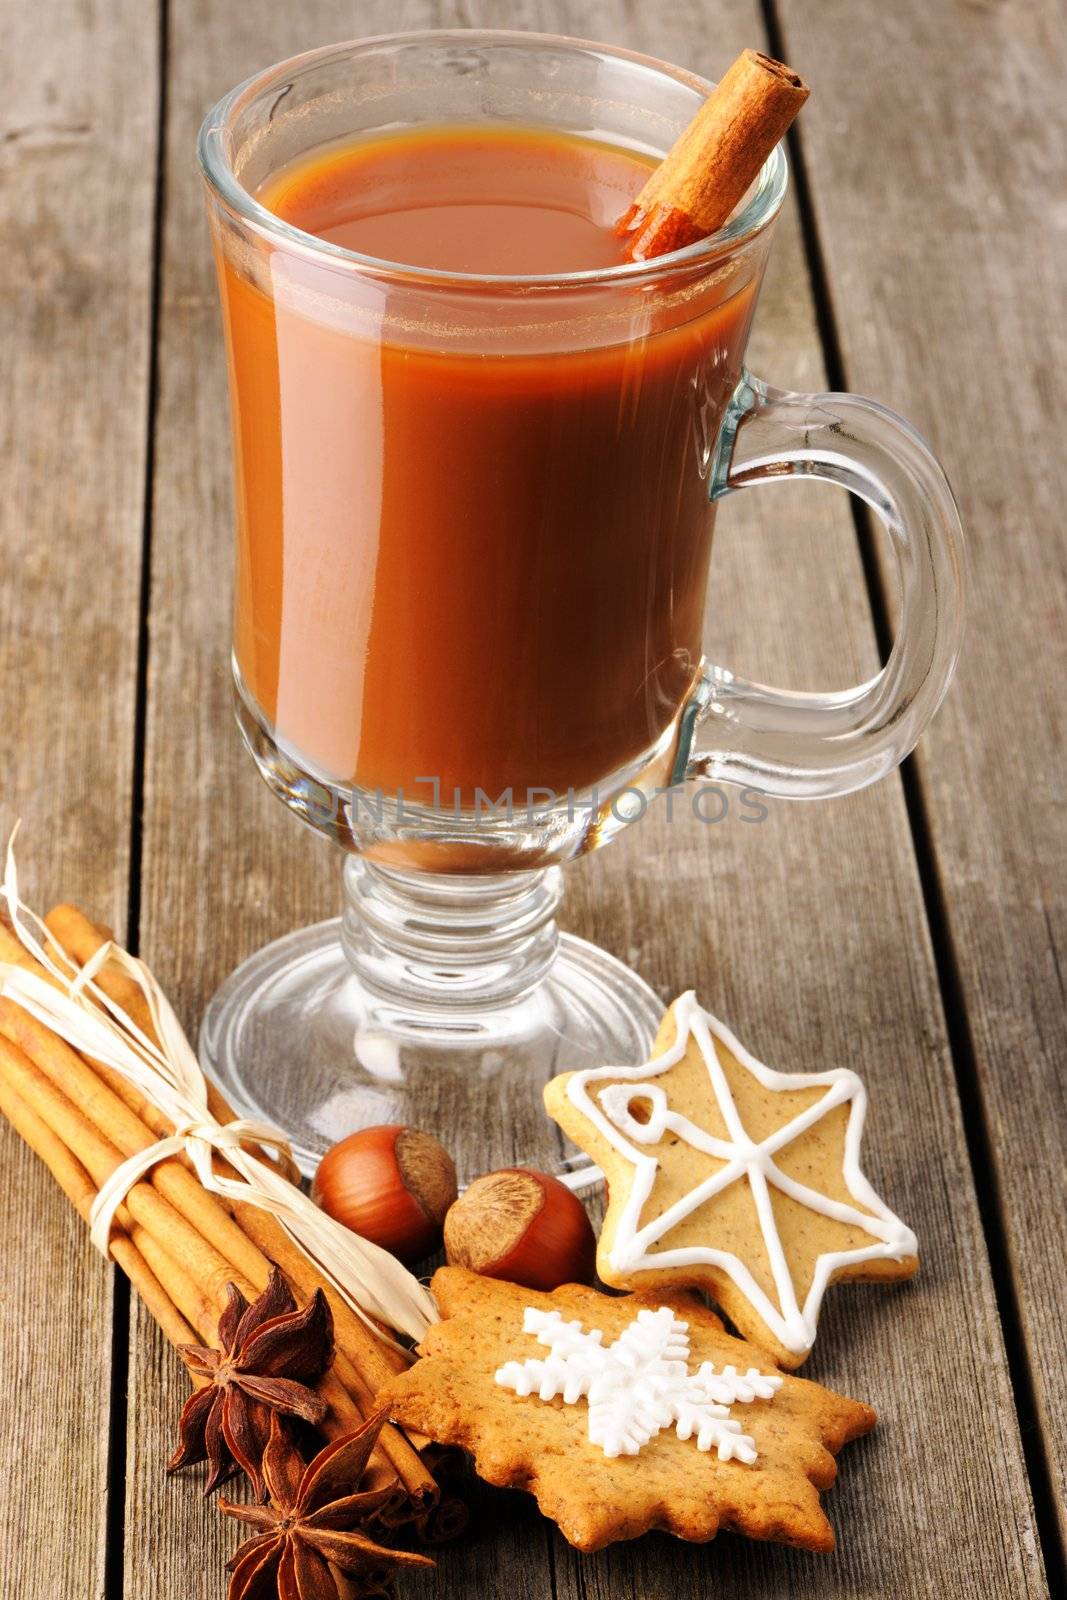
[392, 1185]
[524, 1226]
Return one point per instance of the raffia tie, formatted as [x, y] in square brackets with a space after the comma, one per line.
[168, 1075]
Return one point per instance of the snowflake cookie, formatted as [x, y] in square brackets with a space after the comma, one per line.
[728, 1176]
[616, 1412]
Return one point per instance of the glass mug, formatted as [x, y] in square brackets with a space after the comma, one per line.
[474, 519]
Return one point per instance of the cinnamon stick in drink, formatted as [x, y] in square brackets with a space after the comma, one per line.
[712, 164]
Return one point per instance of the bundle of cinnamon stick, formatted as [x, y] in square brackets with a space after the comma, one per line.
[179, 1245]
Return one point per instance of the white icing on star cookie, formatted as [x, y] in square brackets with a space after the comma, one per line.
[639, 1385]
[609, 1110]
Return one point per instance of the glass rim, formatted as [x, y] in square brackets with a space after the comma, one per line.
[758, 212]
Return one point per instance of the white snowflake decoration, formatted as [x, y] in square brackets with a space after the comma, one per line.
[639, 1385]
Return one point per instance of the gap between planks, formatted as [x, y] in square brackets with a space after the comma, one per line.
[121, 1326]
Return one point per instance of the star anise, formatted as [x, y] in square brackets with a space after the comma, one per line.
[311, 1525]
[270, 1353]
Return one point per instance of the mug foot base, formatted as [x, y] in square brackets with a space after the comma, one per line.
[294, 1039]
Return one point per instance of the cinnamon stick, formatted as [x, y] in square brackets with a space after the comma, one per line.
[250, 1239]
[344, 1413]
[712, 164]
[16, 954]
[100, 1158]
[80, 939]
[445, 1522]
[363, 1361]
[195, 1306]
[80, 1191]
[84, 1087]
[357, 1337]
[189, 1271]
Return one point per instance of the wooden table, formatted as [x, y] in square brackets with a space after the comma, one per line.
[914, 931]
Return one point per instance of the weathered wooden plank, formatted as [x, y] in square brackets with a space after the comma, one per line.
[936, 214]
[77, 183]
[807, 932]
[225, 870]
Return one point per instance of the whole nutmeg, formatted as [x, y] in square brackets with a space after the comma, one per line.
[392, 1185]
[524, 1226]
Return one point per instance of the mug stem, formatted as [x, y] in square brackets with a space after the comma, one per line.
[442, 945]
[311, 1035]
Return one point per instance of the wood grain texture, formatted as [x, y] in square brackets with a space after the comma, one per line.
[806, 932]
[177, 1543]
[77, 185]
[968, 338]
[225, 869]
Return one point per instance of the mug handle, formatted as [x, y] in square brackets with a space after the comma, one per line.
[807, 746]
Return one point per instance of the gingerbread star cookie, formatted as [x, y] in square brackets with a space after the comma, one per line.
[625, 1413]
[728, 1176]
